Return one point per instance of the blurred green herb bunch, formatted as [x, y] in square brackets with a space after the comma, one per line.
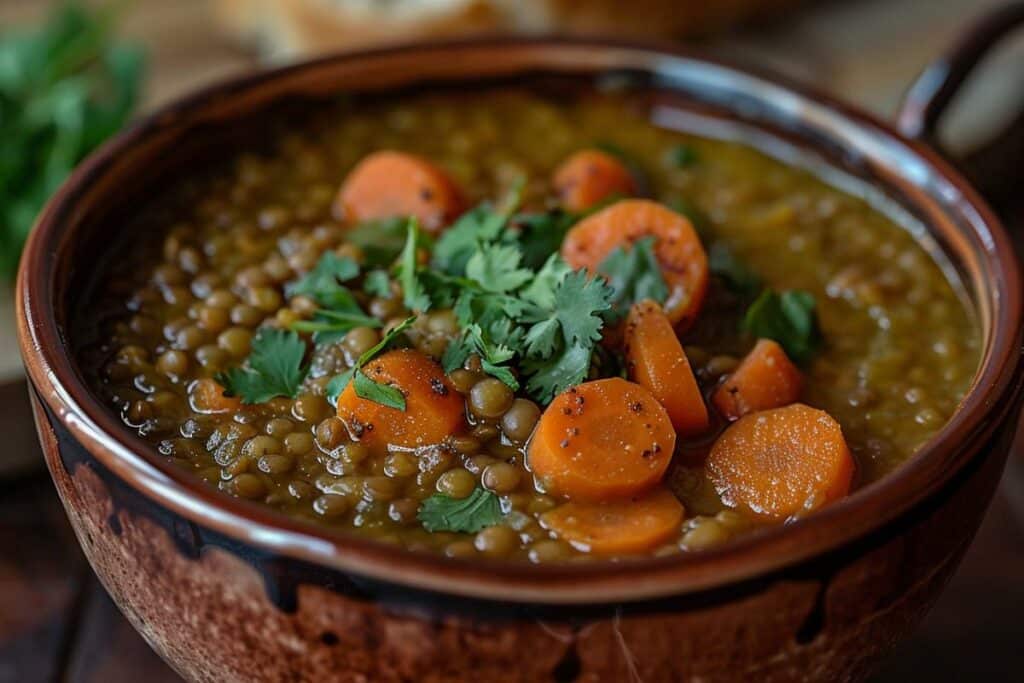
[65, 87]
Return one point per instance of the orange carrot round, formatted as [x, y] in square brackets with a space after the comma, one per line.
[388, 184]
[618, 528]
[433, 408]
[765, 379]
[590, 176]
[602, 440]
[207, 396]
[684, 264]
[656, 360]
[783, 462]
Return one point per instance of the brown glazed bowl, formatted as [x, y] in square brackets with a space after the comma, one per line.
[226, 590]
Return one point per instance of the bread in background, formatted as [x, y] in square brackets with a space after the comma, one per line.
[287, 29]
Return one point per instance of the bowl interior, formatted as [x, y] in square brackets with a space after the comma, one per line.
[691, 93]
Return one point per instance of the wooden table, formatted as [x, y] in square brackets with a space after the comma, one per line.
[57, 623]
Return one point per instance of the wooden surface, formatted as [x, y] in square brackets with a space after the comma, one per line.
[57, 623]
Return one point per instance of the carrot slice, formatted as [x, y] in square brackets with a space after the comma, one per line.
[388, 184]
[684, 264]
[782, 462]
[656, 360]
[433, 408]
[619, 528]
[590, 176]
[207, 396]
[602, 440]
[765, 379]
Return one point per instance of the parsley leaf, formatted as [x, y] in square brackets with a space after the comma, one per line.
[634, 275]
[495, 267]
[542, 339]
[339, 382]
[330, 327]
[481, 224]
[475, 340]
[789, 318]
[567, 369]
[476, 511]
[541, 291]
[384, 394]
[337, 385]
[377, 283]
[380, 241]
[415, 297]
[540, 235]
[274, 368]
[559, 344]
[738, 277]
[578, 298]
[339, 311]
[323, 283]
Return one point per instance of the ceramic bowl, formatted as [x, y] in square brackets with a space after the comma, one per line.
[226, 590]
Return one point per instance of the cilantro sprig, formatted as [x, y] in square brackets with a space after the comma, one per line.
[562, 337]
[634, 275]
[339, 310]
[492, 355]
[364, 386]
[323, 283]
[737, 276]
[548, 318]
[476, 511]
[480, 225]
[274, 368]
[789, 318]
[380, 241]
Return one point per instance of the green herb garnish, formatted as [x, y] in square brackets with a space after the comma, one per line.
[789, 318]
[550, 319]
[492, 355]
[562, 338]
[482, 224]
[377, 283]
[339, 311]
[380, 241]
[64, 89]
[274, 368]
[415, 297]
[634, 275]
[541, 234]
[682, 156]
[496, 268]
[323, 283]
[737, 276]
[384, 394]
[378, 393]
[468, 515]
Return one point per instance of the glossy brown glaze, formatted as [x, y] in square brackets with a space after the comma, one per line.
[226, 590]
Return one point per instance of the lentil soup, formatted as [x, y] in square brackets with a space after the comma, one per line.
[508, 324]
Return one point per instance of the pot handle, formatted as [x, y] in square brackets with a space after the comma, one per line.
[993, 166]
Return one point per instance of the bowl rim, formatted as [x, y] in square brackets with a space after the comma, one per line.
[50, 367]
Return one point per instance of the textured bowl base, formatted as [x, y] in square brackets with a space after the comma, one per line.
[211, 616]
